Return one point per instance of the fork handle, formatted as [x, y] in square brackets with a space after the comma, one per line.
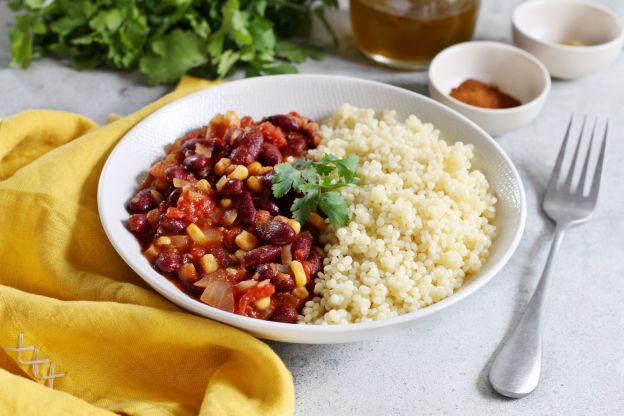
[515, 371]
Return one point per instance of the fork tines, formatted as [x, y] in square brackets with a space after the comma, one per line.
[568, 175]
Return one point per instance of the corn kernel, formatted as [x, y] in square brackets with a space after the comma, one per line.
[300, 292]
[196, 234]
[263, 303]
[254, 184]
[163, 241]
[230, 169]
[208, 263]
[317, 221]
[179, 183]
[254, 168]
[219, 167]
[294, 224]
[187, 272]
[156, 195]
[239, 254]
[151, 253]
[264, 170]
[299, 273]
[225, 202]
[221, 183]
[203, 150]
[246, 241]
[203, 184]
[229, 216]
[240, 172]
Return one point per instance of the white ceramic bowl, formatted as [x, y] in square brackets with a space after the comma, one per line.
[318, 97]
[514, 71]
[539, 26]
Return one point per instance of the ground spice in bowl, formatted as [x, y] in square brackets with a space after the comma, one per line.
[480, 94]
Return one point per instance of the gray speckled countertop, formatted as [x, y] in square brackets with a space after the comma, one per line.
[440, 366]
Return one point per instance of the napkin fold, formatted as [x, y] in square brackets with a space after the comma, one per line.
[80, 332]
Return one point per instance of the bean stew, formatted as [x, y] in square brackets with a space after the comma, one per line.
[208, 221]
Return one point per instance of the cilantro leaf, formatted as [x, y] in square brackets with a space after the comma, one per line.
[285, 179]
[173, 56]
[335, 207]
[317, 181]
[304, 206]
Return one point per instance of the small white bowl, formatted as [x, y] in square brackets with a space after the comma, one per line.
[514, 71]
[539, 26]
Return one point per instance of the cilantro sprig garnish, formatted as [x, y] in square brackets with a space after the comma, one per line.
[317, 181]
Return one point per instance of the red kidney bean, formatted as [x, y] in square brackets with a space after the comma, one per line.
[285, 313]
[223, 257]
[266, 271]
[141, 202]
[229, 235]
[174, 225]
[232, 188]
[220, 149]
[276, 232]
[266, 180]
[249, 147]
[175, 172]
[287, 200]
[270, 154]
[294, 147]
[301, 246]
[196, 163]
[137, 223]
[266, 205]
[310, 132]
[189, 145]
[284, 285]
[316, 264]
[246, 209]
[172, 198]
[168, 261]
[261, 255]
[284, 122]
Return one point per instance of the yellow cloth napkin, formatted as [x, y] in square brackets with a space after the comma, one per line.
[81, 333]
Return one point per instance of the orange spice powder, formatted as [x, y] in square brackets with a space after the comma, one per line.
[479, 94]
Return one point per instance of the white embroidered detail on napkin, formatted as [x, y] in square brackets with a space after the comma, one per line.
[35, 362]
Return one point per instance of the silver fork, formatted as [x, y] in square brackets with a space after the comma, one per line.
[515, 371]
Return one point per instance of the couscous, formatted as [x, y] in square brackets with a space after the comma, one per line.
[421, 219]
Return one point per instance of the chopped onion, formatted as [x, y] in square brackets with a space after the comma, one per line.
[204, 281]
[219, 294]
[179, 241]
[287, 255]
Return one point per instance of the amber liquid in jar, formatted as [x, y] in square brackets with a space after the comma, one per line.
[409, 33]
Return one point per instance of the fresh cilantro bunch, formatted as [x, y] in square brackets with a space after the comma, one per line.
[317, 181]
[166, 39]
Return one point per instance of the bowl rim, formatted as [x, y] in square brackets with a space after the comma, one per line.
[170, 292]
[494, 45]
[569, 48]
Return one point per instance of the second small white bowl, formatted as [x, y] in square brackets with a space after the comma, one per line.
[540, 26]
[513, 70]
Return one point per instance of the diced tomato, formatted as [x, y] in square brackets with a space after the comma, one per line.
[272, 134]
[246, 122]
[245, 303]
[175, 213]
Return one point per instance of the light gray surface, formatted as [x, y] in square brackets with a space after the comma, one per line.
[440, 367]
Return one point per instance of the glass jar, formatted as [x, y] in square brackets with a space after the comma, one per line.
[407, 34]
